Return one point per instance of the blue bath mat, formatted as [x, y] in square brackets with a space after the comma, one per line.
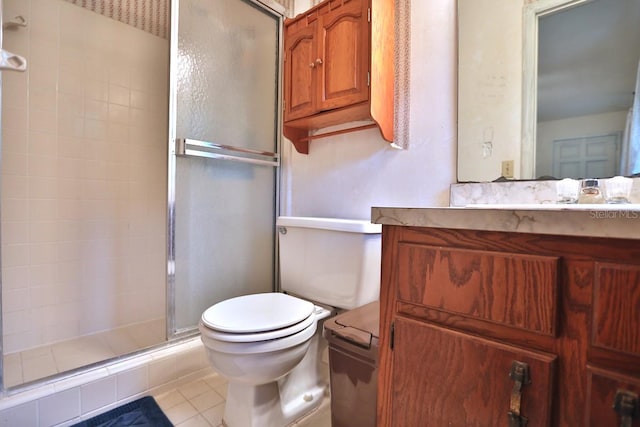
[143, 412]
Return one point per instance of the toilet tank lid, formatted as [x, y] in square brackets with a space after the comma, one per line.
[335, 224]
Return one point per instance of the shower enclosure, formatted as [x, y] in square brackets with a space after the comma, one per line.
[111, 243]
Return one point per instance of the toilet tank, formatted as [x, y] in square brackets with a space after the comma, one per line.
[330, 261]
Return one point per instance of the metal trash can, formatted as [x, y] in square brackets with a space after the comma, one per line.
[353, 364]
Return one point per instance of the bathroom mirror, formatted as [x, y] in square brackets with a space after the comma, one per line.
[545, 85]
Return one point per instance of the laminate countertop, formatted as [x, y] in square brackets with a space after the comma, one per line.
[614, 221]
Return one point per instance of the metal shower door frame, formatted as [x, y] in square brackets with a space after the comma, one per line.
[180, 146]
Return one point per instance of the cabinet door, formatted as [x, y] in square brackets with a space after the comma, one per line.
[300, 78]
[344, 55]
[608, 393]
[446, 378]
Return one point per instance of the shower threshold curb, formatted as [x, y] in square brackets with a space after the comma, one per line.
[29, 393]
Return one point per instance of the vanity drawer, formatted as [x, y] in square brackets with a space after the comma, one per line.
[616, 308]
[510, 289]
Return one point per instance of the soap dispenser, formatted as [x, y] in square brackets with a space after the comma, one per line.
[590, 192]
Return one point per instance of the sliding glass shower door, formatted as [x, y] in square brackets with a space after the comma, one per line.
[223, 159]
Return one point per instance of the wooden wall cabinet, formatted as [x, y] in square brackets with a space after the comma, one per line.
[338, 68]
[462, 309]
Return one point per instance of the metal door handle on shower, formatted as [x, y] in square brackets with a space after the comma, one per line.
[211, 150]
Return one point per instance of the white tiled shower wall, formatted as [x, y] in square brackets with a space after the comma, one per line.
[84, 147]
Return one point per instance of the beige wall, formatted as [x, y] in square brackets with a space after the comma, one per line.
[490, 83]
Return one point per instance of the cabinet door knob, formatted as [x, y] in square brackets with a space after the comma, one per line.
[312, 65]
[318, 61]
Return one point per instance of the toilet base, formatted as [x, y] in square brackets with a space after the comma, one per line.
[260, 406]
[286, 400]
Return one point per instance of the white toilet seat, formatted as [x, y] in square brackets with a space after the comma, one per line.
[257, 313]
[263, 346]
[258, 322]
[260, 336]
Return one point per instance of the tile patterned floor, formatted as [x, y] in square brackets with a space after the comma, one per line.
[200, 403]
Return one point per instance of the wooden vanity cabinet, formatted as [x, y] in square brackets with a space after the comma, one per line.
[334, 54]
[484, 328]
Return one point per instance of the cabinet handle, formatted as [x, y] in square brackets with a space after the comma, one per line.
[318, 61]
[625, 403]
[312, 65]
[520, 375]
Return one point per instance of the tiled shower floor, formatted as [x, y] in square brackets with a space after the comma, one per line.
[41, 362]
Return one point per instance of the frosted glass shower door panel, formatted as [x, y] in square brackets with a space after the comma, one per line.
[226, 76]
[227, 73]
[224, 234]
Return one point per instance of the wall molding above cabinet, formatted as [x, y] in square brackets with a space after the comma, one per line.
[338, 69]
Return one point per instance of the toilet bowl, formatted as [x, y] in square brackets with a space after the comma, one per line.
[270, 346]
[263, 344]
[258, 348]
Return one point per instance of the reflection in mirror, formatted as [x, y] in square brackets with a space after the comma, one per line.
[567, 110]
[586, 81]
[83, 203]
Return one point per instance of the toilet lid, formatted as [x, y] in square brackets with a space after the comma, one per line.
[257, 313]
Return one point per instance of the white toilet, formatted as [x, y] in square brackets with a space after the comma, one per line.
[269, 346]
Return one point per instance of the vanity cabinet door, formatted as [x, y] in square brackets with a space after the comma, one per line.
[612, 399]
[446, 378]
